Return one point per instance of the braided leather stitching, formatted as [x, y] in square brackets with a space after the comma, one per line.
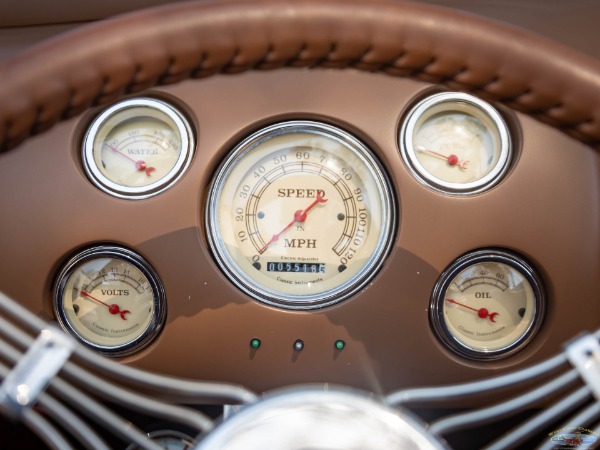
[103, 62]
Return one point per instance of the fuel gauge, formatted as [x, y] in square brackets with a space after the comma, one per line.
[487, 304]
[455, 143]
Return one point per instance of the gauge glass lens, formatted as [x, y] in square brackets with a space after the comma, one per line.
[487, 305]
[455, 143]
[137, 148]
[300, 215]
[110, 299]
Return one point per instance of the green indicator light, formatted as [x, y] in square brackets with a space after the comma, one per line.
[339, 344]
[255, 343]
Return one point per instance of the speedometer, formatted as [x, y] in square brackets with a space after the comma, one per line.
[300, 215]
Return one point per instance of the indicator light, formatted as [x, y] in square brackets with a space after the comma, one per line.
[340, 344]
[255, 343]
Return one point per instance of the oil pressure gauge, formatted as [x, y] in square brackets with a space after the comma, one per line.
[455, 143]
[137, 148]
[300, 215]
[110, 299]
[487, 304]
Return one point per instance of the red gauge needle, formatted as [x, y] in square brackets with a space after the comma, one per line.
[139, 165]
[452, 159]
[299, 216]
[113, 309]
[481, 312]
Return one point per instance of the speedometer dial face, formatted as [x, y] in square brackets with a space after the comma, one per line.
[110, 299]
[487, 304]
[300, 215]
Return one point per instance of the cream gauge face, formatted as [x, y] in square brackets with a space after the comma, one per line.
[110, 299]
[487, 305]
[137, 148]
[300, 215]
[455, 143]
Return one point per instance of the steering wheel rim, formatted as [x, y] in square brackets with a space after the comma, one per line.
[102, 62]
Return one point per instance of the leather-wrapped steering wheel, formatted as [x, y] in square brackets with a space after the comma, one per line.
[104, 61]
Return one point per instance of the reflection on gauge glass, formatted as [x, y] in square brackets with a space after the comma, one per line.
[137, 148]
[110, 299]
[455, 143]
[300, 215]
[487, 304]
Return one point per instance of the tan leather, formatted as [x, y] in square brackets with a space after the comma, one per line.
[170, 43]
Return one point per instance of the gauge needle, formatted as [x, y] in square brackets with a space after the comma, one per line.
[481, 312]
[113, 309]
[452, 159]
[299, 216]
[139, 165]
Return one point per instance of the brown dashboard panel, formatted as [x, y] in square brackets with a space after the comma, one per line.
[545, 209]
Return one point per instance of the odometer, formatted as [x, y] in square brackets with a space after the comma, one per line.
[295, 267]
[300, 215]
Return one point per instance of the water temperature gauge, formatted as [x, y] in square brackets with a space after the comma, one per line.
[487, 304]
[110, 299]
[137, 148]
[300, 215]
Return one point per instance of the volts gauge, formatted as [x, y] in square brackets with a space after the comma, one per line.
[487, 304]
[110, 299]
[137, 148]
[300, 215]
[455, 143]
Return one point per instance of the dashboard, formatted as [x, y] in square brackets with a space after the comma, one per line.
[189, 218]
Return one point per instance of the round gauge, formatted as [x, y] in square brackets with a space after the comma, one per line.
[487, 304]
[455, 143]
[169, 440]
[110, 299]
[137, 148]
[300, 215]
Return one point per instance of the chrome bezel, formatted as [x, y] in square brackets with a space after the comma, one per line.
[117, 252]
[459, 102]
[112, 117]
[436, 310]
[309, 301]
